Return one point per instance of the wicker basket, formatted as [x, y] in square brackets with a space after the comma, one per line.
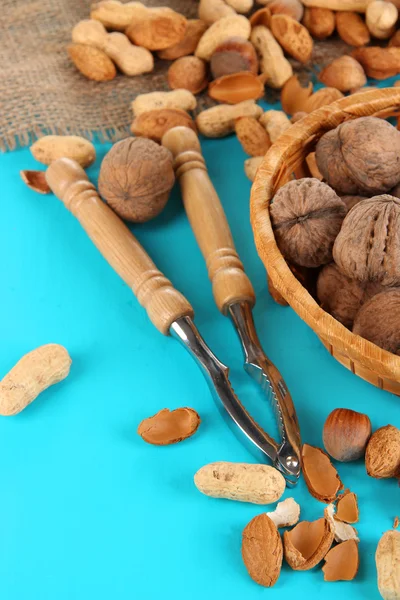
[363, 358]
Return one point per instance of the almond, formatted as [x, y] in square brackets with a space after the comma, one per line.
[307, 544]
[252, 136]
[235, 88]
[189, 73]
[261, 17]
[382, 456]
[294, 95]
[342, 562]
[293, 37]
[320, 475]
[344, 73]
[234, 55]
[377, 62]
[262, 550]
[322, 98]
[194, 31]
[154, 123]
[320, 22]
[159, 30]
[352, 28]
[92, 62]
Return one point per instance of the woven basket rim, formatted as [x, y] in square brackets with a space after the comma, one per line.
[282, 157]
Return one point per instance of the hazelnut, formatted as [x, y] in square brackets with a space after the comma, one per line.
[382, 457]
[136, 177]
[234, 55]
[368, 245]
[341, 296]
[306, 216]
[346, 434]
[360, 156]
[379, 320]
[189, 73]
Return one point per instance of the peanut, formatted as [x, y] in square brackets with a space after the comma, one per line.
[154, 123]
[275, 68]
[275, 123]
[90, 32]
[131, 60]
[182, 99]
[251, 166]
[211, 11]
[116, 15]
[252, 136]
[51, 147]
[240, 6]
[35, 372]
[387, 559]
[258, 484]
[233, 26]
[354, 5]
[219, 121]
[381, 18]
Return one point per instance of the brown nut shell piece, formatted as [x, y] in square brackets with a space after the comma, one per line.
[306, 215]
[294, 96]
[136, 177]
[382, 457]
[92, 62]
[322, 97]
[352, 29]
[343, 73]
[307, 544]
[233, 56]
[377, 62]
[194, 31]
[320, 475]
[189, 73]
[347, 508]
[262, 550]
[169, 426]
[342, 562]
[320, 22]
[36, 180]
[360, 156]
[154, 123]
[235, 88]
[262, 16]
[346, 434]
[293, 37]
[368, 245]
[252, 136]
[158, 31]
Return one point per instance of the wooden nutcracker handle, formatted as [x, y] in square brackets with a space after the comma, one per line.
[207, 218]
[163, 303]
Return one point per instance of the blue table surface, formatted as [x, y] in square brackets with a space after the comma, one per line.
[88, 510]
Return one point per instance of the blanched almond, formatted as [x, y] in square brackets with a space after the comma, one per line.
[322, 97]
[342, 562]
[236, 88]
[252, 136]
[320, 475]
[294, 95]
[343, 73]
[293, 37]
[306, 544]
[154, 123]
[262, 550]
[320, 22]
[352, 28]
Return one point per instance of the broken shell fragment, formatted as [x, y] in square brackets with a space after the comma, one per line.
[347, 508]
[169, 426]
[342, 562]
[320, 475]
[236, 87]
[306, 544]
[36, 180]
[341, 531]
[294, 96]
[262, 550]
[286, 513]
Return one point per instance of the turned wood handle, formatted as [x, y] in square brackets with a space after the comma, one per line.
[163, 303]
[207, 218]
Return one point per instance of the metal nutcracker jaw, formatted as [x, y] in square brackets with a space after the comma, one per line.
[216, 374]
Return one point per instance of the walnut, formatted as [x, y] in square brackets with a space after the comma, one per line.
[368, 245]
[343, 297]
[306, 216]
[136, 177]
[360, 157]
[379, 320]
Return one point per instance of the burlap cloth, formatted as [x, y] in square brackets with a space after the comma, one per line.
[41, 92]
